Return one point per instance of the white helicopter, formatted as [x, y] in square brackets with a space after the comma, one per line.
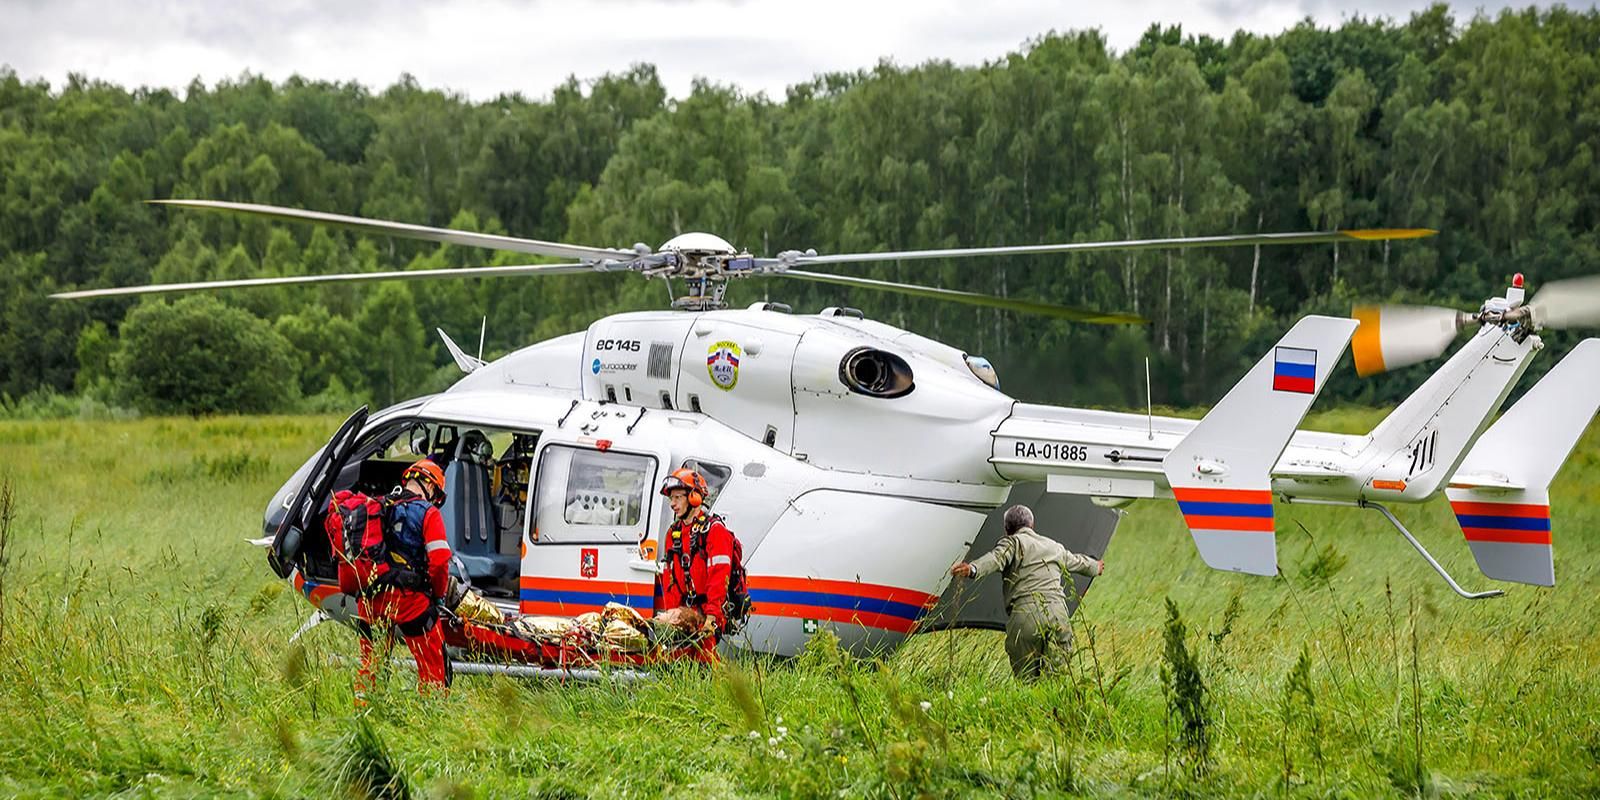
[856, 461]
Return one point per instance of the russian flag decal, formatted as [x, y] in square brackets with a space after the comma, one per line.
[1294, 369]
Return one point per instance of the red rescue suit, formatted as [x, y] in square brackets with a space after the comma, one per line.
[411, 612]
[699, 564]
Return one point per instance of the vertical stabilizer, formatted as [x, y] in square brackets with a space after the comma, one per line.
[1221, 473]
[1500, 494]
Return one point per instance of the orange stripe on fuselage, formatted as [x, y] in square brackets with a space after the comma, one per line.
[852, 588]
[545, 608]
[847, 616]
[585, 585]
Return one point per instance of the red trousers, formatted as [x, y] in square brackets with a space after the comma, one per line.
[411, 615]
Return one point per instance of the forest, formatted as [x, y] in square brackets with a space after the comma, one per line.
[1485, 129]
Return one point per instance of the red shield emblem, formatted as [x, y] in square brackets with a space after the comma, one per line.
[589, 562]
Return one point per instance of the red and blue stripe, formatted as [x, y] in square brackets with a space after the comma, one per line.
[1512, 523]
[1294, 369]
[568, 597]
[888, 608]
[1225, 509]
[315, 592]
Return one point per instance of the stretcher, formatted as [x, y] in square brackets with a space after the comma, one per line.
[615, 637]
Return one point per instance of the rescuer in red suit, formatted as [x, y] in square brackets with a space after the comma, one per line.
[403, 594]
[699, 550]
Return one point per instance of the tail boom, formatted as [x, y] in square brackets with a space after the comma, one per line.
[1225, 470]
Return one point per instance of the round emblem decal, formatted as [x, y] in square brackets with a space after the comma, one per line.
[595, 366]
[722, 362]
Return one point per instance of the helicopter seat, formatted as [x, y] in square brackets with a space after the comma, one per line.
[471, 525]
[595, 508]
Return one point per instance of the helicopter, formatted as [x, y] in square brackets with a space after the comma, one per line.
[857, 461]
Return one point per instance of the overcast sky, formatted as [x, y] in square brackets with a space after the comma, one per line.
[486, 47]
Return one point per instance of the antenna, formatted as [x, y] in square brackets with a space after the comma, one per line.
[484, 328]
[1149, 404]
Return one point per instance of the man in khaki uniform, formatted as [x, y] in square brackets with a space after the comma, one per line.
[1038, 631]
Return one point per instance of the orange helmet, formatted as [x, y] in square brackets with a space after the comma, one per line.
[425, 470]
[685, 478]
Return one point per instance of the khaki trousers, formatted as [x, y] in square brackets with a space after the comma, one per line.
[1038, 638]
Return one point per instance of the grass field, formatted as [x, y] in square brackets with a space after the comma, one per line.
[143, 654]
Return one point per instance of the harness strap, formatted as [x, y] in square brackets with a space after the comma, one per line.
[698, 528]
[399, 514]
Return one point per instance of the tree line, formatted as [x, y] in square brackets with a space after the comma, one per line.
[1486, 130]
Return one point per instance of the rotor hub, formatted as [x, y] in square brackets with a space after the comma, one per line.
[698, 242]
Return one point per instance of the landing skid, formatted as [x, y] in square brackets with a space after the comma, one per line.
[530, 671]
[1433, 562]
[316, 618]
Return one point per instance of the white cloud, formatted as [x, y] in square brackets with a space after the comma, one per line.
[486, 47]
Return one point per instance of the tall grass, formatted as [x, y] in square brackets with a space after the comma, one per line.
[8, 514]
[143, 651]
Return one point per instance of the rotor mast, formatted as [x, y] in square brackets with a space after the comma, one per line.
[705, 262]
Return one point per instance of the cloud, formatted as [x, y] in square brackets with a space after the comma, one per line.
[488, 47]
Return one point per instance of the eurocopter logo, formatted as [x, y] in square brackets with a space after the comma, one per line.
[722, 362]
[595, 367]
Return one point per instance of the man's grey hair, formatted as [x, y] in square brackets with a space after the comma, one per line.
[1017, 518]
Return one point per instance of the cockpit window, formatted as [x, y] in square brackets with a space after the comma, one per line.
[716, 476]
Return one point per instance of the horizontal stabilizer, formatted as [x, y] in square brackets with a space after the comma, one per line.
[1507, 522]
[1221, 473]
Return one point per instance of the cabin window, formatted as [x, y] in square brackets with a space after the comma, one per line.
[592, 496]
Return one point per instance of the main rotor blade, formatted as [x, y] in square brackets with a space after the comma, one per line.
[1570, 303]
[342, 277]
[974, 299]
[408, 231]
[1368, 235]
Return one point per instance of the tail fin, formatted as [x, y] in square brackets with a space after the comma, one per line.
[1418, 446]
[1221, 473]
[1501, 492]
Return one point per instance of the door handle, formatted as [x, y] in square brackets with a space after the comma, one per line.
[645, 566]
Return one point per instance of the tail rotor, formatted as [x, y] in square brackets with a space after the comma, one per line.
[1395, 336]
[1570, 303]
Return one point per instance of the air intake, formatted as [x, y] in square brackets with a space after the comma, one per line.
[660, 364]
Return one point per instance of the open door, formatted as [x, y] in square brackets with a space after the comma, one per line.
[1070, 519]
[589, 513]
[308, 500]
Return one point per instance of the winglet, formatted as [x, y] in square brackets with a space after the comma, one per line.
[465, 362]
[1221, 473]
